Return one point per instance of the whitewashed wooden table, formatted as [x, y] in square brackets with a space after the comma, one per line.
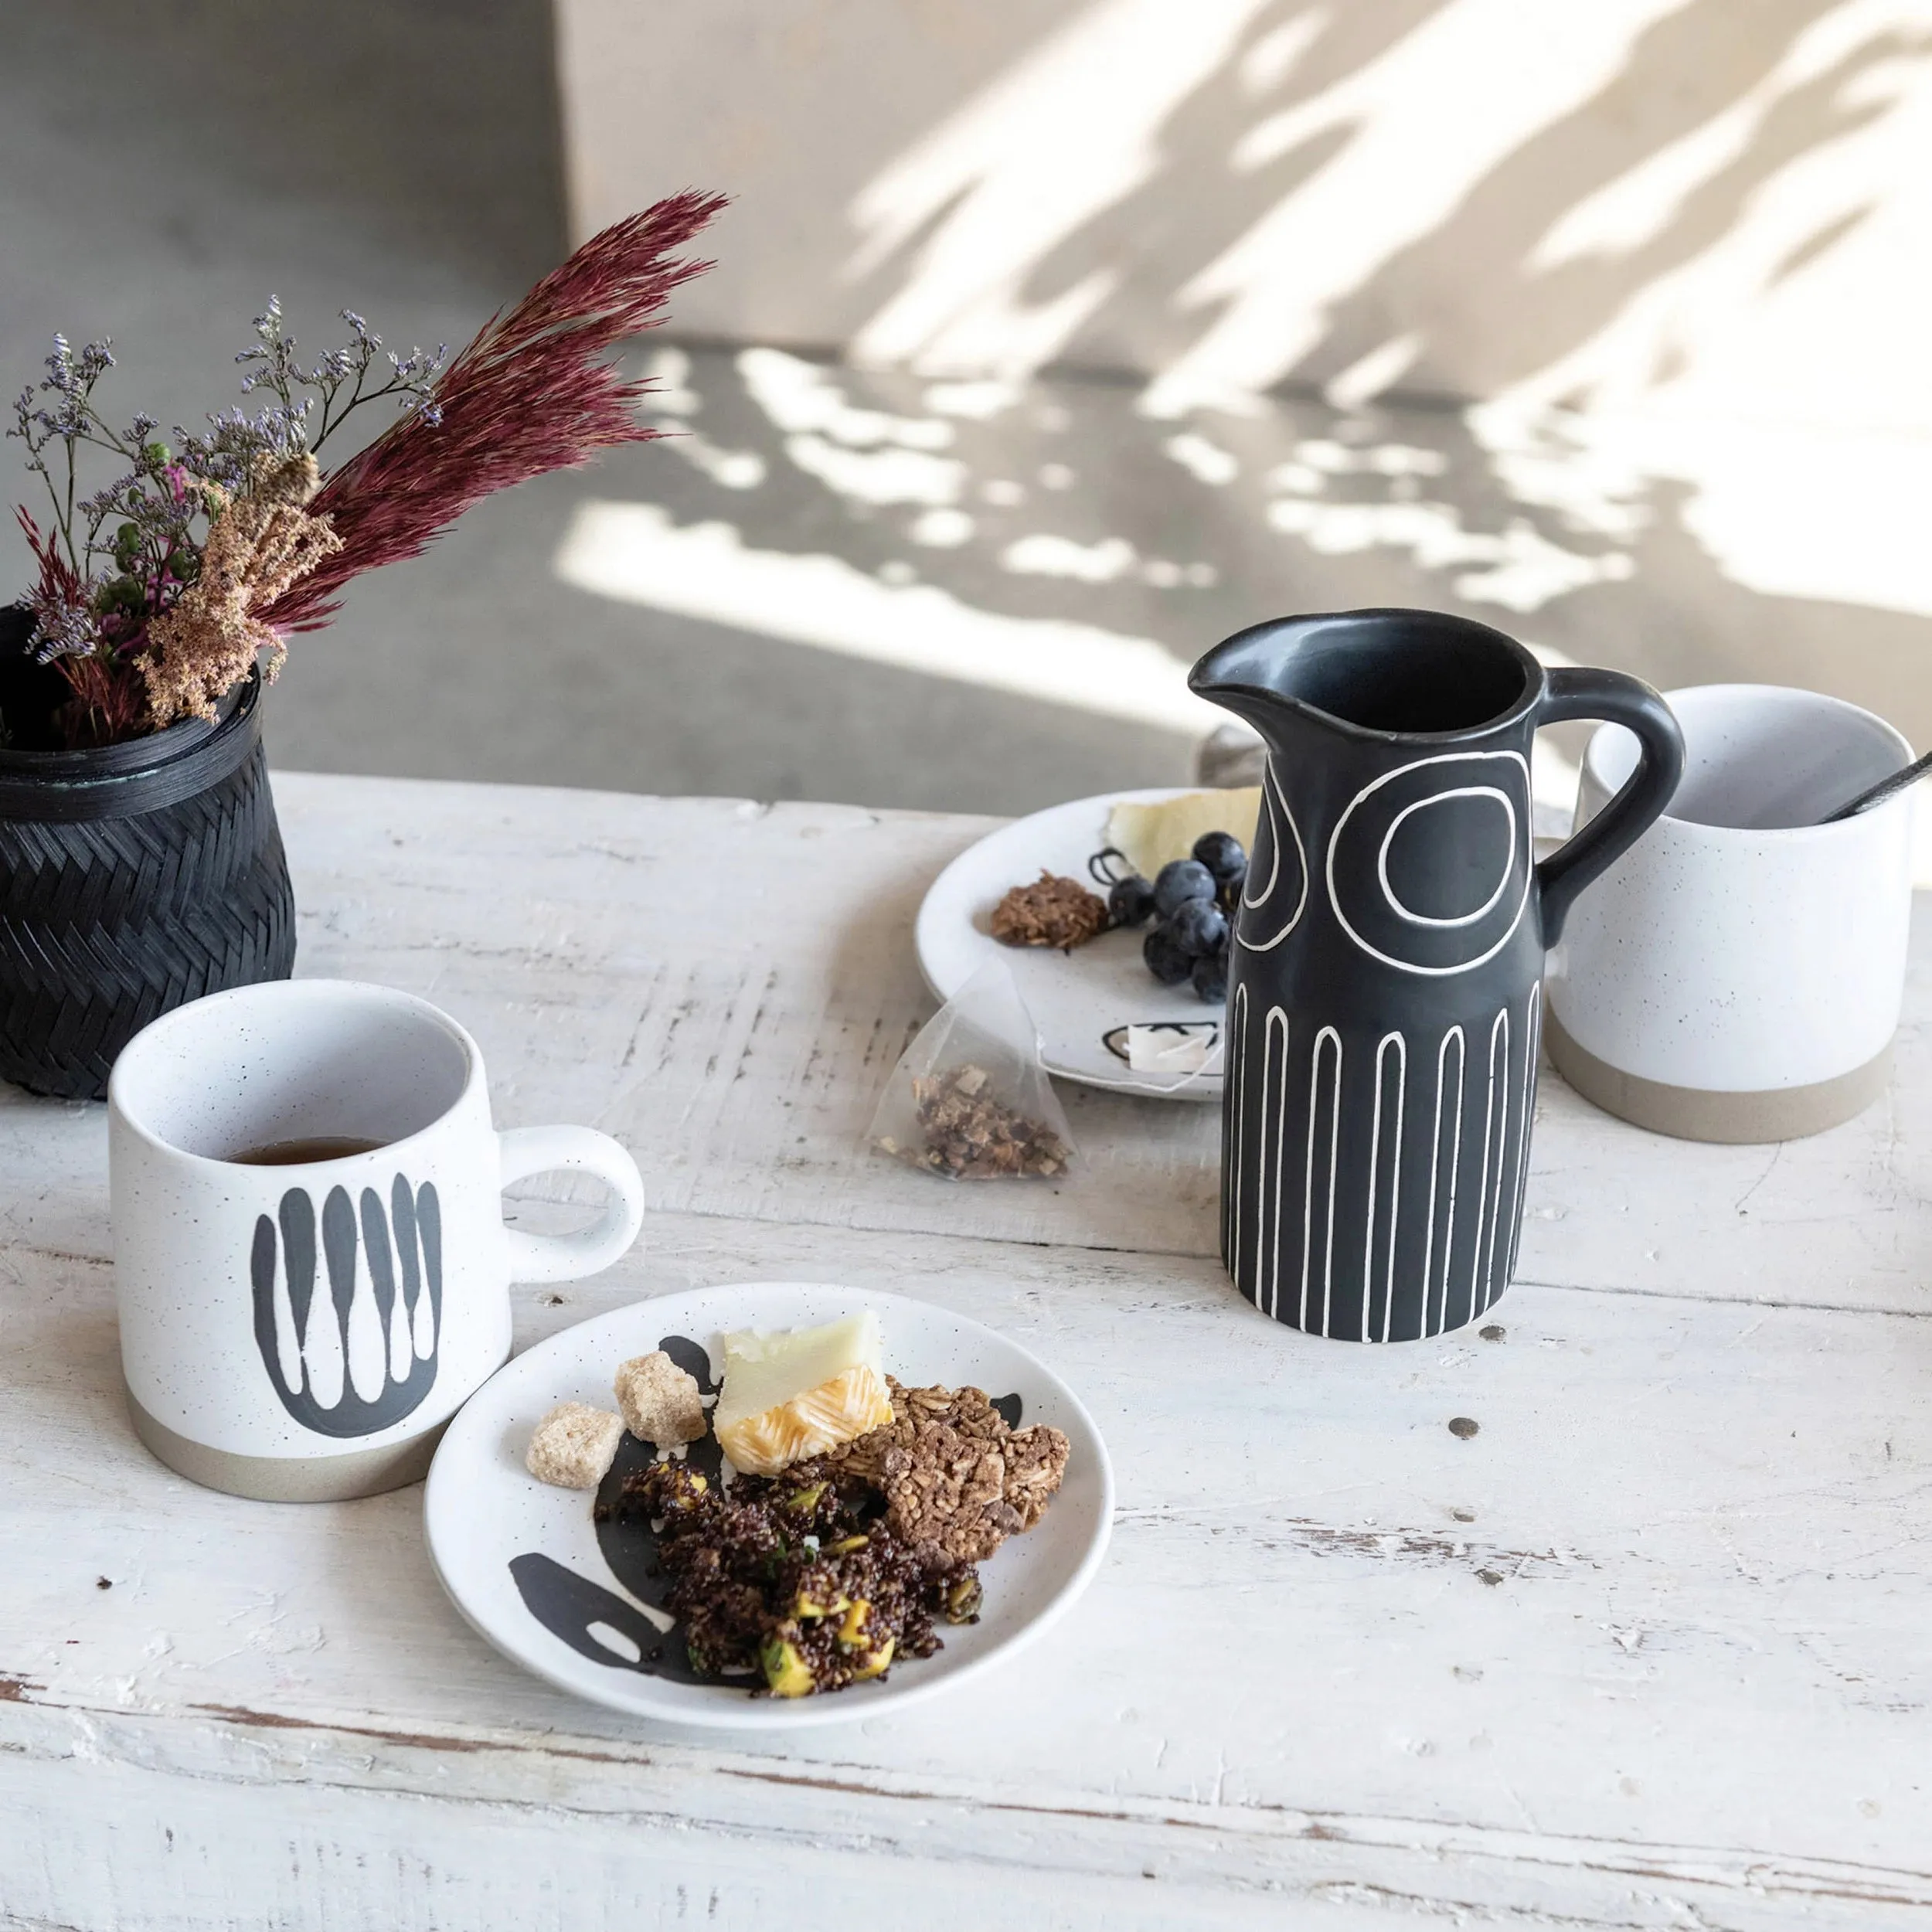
[1652, 1648]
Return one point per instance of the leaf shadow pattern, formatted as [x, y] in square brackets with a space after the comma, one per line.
[1490, 312]
[402, 1251]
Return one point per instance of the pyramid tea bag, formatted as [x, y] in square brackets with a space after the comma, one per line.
[969, 1100]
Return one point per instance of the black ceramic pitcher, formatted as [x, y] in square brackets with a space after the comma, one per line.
[1385, 992]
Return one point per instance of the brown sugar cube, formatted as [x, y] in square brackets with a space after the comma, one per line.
[661, 1404]
[574, 1446]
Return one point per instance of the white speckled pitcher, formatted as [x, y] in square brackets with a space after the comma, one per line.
[1737, 974]
[301, 1331]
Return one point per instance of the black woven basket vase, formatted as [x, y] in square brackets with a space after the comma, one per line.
[133, 879]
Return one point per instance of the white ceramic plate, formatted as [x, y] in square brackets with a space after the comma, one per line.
[531, 1570]
[1076, 998]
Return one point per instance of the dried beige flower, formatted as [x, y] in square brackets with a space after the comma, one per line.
[260, 541]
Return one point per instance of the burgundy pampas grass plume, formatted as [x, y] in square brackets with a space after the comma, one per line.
[532, 393]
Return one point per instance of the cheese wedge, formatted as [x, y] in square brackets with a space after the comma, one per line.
[1149, 836]
[800, 1391]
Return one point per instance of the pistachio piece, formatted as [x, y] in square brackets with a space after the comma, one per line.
[963, 1600]
[786, 1673]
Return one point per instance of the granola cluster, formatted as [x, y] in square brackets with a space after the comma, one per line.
[968, 1134]
[1052, 911]
[957, 1480]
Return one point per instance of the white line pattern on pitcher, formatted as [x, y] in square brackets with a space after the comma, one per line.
[1274, 809]
[1235, 1094]
[1340, 1151]
[1498, 1081]
[1327, 1037]
[1395, 1185]
[1361, 798]
[1482, 1177]
[1396, 906]
[1435, 1167]
[1532, 1042]
[1274, 1078]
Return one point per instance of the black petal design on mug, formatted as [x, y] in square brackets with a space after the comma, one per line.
[402, 1251]
[338, 1250]
[298, 1242]
[402, 1207]
[381, 1274]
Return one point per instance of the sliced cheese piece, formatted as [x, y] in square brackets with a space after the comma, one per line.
[1149, 836]
[799, 1392]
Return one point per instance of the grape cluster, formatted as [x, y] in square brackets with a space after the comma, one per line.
[1193, 904]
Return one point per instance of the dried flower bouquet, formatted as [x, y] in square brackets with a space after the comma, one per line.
[158, 593]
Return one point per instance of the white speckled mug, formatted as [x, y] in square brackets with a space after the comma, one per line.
[300, 1330]
[1737, 974]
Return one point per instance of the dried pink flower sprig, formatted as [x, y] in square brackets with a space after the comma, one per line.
[156, 596]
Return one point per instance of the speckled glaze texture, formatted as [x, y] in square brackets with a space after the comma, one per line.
[330, 1310]
[1385, 997]
[1740, 948]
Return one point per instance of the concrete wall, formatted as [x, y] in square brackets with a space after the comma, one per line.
[1677, 252]
[1456, 197]
[794, 107]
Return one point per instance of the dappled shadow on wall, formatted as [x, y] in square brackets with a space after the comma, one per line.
[1670, 248]
[1051, 539]
[1461, 193]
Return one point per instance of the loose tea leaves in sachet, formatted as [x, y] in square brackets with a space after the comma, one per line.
[969, 1100]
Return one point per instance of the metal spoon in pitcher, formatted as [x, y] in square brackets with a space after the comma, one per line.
[1886, 788]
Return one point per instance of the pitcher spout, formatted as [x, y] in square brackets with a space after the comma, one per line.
[1239, 675]
[1378, 674]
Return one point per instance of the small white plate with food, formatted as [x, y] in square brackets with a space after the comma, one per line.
[768, 1505]
[1078, 945]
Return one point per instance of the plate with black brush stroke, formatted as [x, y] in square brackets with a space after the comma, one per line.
[580, 1602]
[1082, 1002]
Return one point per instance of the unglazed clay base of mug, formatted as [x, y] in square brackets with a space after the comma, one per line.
[360, 1472]
[1697, 1114]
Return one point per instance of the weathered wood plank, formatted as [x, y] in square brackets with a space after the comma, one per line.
[1648, 1648]
[131, 1821]
[1687, 1609]
[725, 986]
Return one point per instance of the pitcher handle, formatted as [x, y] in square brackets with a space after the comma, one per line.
[1587, 854]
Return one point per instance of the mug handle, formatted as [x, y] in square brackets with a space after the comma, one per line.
[583, 1150]
[1587, 854]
